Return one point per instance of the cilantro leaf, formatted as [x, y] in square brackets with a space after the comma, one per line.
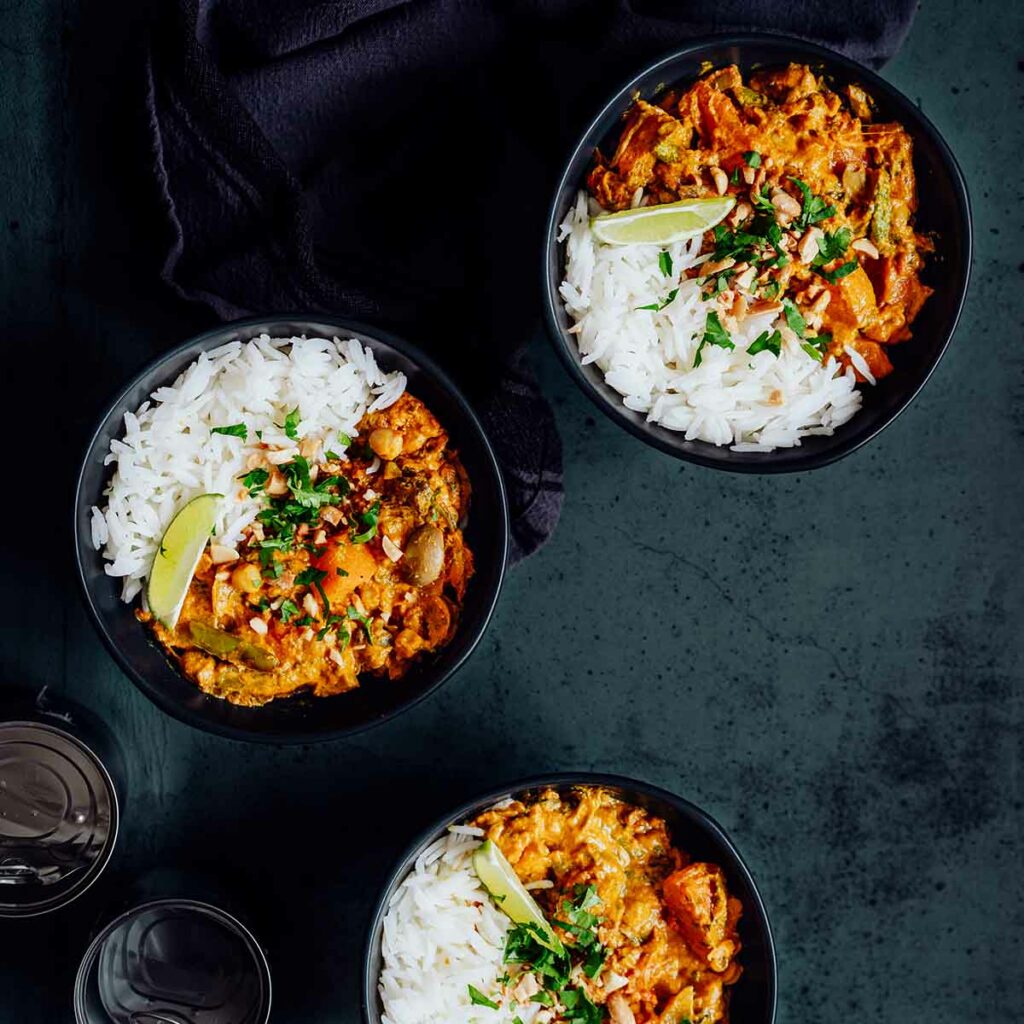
[235, 430]
[658, 306]
[832, 276]
[254, 480]
[752, 159]
[291, 424]
[831, 246]
[665, 262]
[288, 610]
[363, 621]
[477, 998]
[714, 334]
[766, 342]
[796, 322]
[368, 520]
[814, 207]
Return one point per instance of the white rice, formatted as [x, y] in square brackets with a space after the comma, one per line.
[441, 934]
[168, 455]
[753, 403]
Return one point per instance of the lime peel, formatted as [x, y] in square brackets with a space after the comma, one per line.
[175, 562]
[664, 223]
[499, 878]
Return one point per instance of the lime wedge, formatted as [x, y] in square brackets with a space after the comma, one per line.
[175, 563]
[501, 881]
[664, 224]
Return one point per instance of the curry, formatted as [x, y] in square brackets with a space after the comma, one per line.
[822, 231]
[357, 564]
[666, 927]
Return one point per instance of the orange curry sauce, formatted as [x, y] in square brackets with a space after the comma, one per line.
[368, 579]
[822, 230]
[667, 924]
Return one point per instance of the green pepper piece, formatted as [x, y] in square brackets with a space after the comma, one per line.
[748, 97]
[213, 640]
[256, 657]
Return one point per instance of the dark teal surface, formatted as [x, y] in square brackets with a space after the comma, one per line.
[830, 664]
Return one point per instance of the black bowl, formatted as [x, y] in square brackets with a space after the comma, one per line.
[754, 995]
[302, 718]
[944, 208]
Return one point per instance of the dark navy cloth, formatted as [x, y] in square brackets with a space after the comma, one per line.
[392, 160]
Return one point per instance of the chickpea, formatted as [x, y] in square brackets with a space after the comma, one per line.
[386, 443]
[246, 578]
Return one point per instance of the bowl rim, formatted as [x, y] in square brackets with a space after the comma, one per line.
[481, 801]
[95, 944]
[752, 462]
[206, 339]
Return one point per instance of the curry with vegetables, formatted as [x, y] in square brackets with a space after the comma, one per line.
[822, 231]
[356, 564]
[649, 935]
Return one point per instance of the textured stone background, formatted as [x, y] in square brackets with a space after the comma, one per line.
[829, 663]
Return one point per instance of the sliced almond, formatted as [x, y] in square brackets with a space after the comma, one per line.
[748, 175]
[765, 306]
[308, 447]
[775, 397]
[391, 549]
[739, 307]
[258, 626]
[277, 485]
[720, 179]
[745, 279]
[740, 212]
[717, 266]
[310, 606]
[821, 302]
[785, 203]
[335, 655]
[808, 247]
[866, 246]
[221, 554]
[279, 456]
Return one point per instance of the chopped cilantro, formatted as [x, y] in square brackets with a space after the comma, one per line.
[333, 456]
[734, 178]
[762, 201]
[235, 430]
[811, 350]
[344, 439]
[363, 621]
[254, 481]
[665, 262]
[832, 276]
[752, 159]
[477, 998]
[291, 424]
[766, 342]
[658, 306]
[831, 246]
[306, 620]
[714, 334]
[341, 572]
[770, 289]
[814, 207]
[288, 610]
[796, 322]
[368, 520]
[313, 577]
